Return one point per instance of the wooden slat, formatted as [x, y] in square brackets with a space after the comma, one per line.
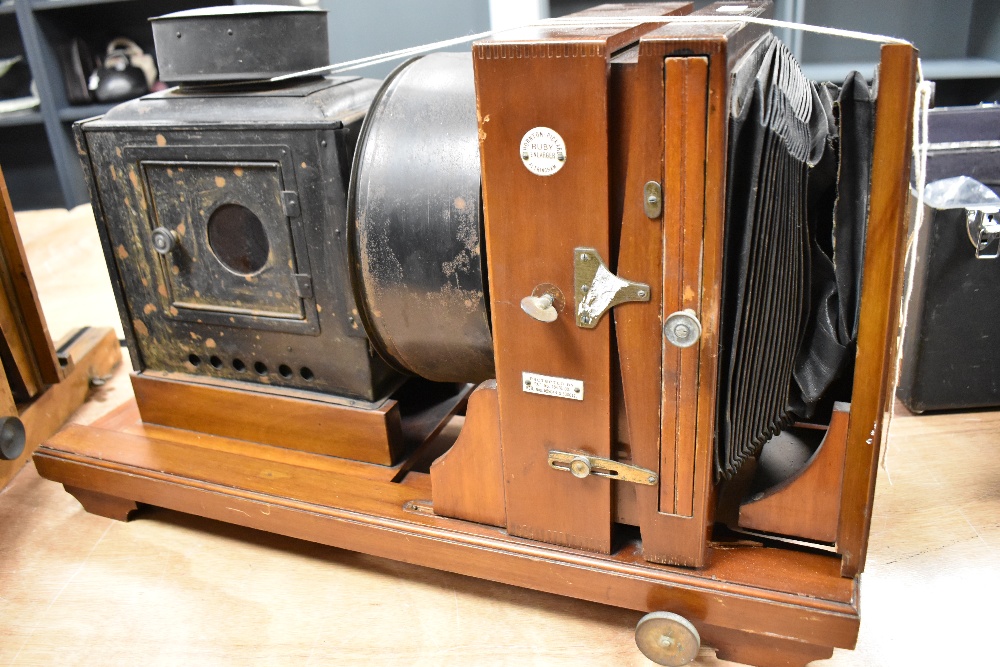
[685, 103]
[672, 538]
[21, 317]
[880, 293]
[126, 419]
[373, 436]
[533, 223]
[171, 459]
[638, 159]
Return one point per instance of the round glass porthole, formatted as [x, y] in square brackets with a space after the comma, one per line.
[238, 239]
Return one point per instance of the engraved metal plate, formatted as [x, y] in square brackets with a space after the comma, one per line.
[547, 385]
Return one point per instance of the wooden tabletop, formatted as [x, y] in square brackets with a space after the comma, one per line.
[173, 589]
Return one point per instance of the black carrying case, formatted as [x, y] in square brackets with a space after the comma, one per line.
[951, 349]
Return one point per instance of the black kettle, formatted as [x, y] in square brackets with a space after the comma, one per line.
[118, 79]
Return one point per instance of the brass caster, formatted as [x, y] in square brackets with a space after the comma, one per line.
[667, 639]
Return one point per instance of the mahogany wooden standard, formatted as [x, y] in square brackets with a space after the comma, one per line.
[43, 383]
[604, 166]
[685, 95]
[880, 292]
[534, 224]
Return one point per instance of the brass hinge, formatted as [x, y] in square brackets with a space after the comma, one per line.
[584, 465]
[304, 285]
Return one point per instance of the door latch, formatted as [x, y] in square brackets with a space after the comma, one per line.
[584, 465]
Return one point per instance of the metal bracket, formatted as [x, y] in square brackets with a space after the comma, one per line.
[584, 465]
[652, 199]
[598, 290]
[304, 285]
[290, 203]
[984, 232]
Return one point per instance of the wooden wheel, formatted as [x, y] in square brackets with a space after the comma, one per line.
[667, 639]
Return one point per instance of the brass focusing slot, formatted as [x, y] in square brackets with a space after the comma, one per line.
[582, 465]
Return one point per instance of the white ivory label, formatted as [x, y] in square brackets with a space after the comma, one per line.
[543, 151]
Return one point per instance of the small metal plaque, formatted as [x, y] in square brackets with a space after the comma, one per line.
[547, 385]
[543, 151]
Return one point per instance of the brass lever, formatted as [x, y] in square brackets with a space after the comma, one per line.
[598, 290]
[584, 465]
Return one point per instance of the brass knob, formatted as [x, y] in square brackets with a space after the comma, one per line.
[580, 467]
[682, 328]
[540, 308]
[164, 240]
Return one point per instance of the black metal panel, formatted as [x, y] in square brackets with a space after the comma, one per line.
[416, 216]
[275, 310]
[236, 43]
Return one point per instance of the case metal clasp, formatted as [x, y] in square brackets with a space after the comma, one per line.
[984, 232]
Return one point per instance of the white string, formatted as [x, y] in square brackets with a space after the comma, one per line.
[383, 57]
[629, 21]
[724, 18]
[921, 147]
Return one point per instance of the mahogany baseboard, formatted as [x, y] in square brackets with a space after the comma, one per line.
[773, 599]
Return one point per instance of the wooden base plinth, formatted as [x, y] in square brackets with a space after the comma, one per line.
[763, 605]
[92, 353]
[374, 435]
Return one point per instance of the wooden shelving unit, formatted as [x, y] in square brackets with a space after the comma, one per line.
[36, 146]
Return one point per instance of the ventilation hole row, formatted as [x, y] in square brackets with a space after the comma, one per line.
[259, 367]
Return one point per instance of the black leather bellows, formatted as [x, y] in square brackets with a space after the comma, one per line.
[799, 163]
